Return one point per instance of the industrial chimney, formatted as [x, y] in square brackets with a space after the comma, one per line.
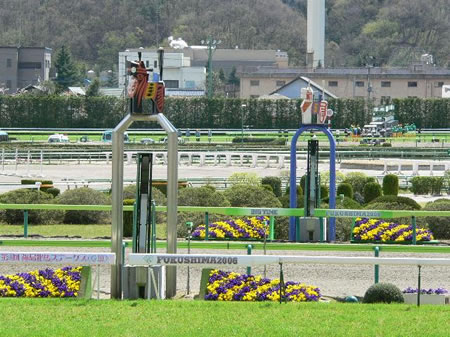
[315, 53]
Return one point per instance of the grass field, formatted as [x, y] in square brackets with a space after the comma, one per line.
[56, 317]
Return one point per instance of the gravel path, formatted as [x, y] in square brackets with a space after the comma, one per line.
[333, 280]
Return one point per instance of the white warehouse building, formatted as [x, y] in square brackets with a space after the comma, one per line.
[178, 72]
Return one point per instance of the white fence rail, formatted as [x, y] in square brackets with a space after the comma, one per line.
[255, 260]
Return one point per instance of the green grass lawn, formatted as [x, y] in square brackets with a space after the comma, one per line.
[58, 317]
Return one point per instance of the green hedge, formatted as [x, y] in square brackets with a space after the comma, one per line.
[106, 112]
[426, 185]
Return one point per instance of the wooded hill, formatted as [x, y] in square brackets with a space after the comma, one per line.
[395, 32]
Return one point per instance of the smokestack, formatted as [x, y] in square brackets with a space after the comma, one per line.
[315, 53]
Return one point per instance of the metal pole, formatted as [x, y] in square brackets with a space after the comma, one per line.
[189, 226]
[25, 223]
[117, 203]
[414, 234]
[266, 225]
[210, 84]
[377, 267]
[206, 226]
[419, 286]
[153, 229]
[272, 228]
[3, 160]
[249, 252]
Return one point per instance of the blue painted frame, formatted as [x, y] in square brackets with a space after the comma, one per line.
[331, 233]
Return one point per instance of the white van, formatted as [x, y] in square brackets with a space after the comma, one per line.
[57, 138]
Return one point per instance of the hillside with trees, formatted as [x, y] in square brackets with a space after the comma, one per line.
[391, 32]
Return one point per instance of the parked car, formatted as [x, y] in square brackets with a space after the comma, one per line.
[147, 141]
[58, 138]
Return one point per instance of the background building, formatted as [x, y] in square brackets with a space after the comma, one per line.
[22, 66]
[179, 73]
[419, 80]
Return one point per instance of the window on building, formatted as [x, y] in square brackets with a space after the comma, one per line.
[359, 83]
[385, 84]
[254, 96]
[155, 64]
[280, 83]
[438, 84]
[332, 83]
[8, 84]
[8, 63]
[190, 84]
[385, 98]
[147, 64]
[254, 83]
[171, 84]
[412, 84]
[30, 65]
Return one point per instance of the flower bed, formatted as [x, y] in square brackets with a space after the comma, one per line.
[247, 228]
[437, 291]
[229, 286]
[378, 230]
[427, 296]
[63, 282]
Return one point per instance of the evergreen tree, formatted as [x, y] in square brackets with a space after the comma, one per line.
[94, 88]
[66, 72]
[232, 78]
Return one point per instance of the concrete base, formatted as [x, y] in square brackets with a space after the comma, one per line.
[138, 282]
[310, 229]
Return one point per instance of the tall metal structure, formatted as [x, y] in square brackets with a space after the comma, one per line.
[140, 92]
[315, 43]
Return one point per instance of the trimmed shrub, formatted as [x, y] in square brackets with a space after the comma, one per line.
[420, 185]
[299, 190]
[275, 182]
[383, 293]
[395, 202]
[84, 196]
[128, 219]
[437, 183]
[267, 187]
[28, 196]
[251, 196]
[239, 178]
[371, 191]
[390, 184]
[440, 226]
[358, 180]
[392, 202]
[345, 189]
[344, 225]
[53, 191]
[199, 196]
[303, 182]
[324, 192]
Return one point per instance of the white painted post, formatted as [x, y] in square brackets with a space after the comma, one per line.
[415, 169]
[254, 160]
[281, 161]
[228, 159]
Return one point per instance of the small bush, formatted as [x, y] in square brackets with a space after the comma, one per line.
[390, 184]
[27, 196]
[396, 202]
[437, 183]
[303, 182]
[344, 225]
[385, 144]
[275, 183]
[324, 192]
[53, 191]
[383, 293]
[199, 196]
[84, 196]
[440, 226]
[420, 185]
[371, 192]
[245, 179]
[251, 196]
[299, 190]
[358, 180]
[345, 189]
[128, 219]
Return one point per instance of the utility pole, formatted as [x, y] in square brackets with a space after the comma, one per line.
[212, 45]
